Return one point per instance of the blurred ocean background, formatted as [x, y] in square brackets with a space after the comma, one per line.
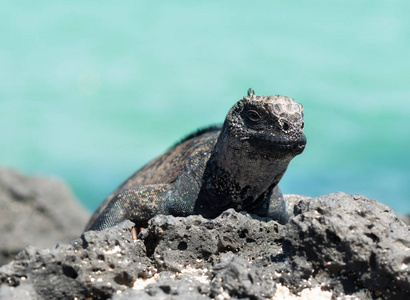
[90, 91]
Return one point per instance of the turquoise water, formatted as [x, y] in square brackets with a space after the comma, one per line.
[91, 91]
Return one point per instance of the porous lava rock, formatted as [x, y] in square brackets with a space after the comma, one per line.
[358, 240]
[336, 245]
[96, 266]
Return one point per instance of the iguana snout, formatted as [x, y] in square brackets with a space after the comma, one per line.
[287, 112]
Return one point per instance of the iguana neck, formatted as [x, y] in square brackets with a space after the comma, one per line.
[238, 177]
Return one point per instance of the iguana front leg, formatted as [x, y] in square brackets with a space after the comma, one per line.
[278, 209]
[274, 206]
[139, 205]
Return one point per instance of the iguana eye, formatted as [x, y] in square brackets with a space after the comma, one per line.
[253, 116]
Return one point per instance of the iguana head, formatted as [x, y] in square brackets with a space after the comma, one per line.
[270, 126]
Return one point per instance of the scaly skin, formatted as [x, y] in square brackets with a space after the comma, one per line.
[235, 166]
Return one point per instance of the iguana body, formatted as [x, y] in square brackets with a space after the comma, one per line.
[237, 165]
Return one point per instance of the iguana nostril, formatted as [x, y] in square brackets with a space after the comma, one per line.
[285, 126]
[303, 125]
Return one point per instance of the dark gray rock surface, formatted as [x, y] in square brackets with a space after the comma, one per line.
[36, 211]
[354, 238]
[94, 266]
[349, 245]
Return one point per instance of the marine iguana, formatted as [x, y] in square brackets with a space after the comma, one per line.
[237, 165]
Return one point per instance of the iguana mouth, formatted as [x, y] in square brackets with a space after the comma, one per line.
[296, 147]
[269, 143]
